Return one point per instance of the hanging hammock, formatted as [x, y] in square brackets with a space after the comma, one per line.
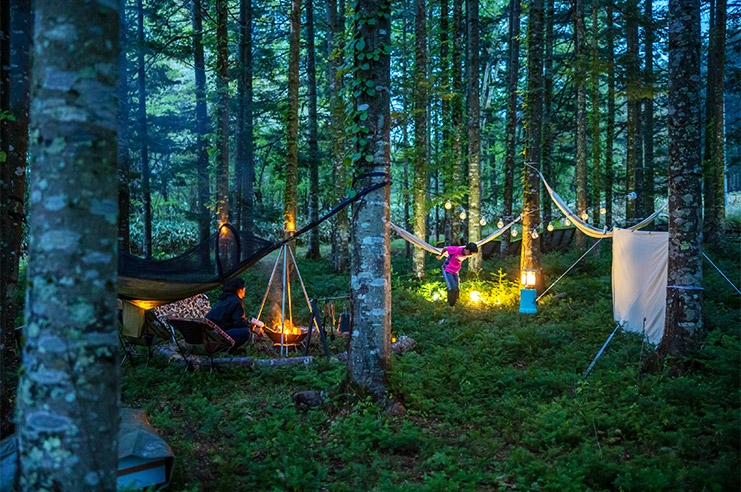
[420, 243]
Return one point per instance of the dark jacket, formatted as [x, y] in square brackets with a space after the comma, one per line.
[228, 313]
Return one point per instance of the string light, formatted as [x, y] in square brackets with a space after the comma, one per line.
[463, 215]
[500, 224]
[482, 222]
[567, 222]
[603, 210]
[535, 234]
[584, 216]
[448, 205]
[514, 232]
[550, 227]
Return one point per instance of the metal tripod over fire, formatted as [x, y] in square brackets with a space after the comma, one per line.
[287, 335]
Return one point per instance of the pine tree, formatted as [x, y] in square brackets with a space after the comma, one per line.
[201, 130]
[420, 135]
[513, 67]
[143, 133]
[289, 197]
[474, 133]
[222, 123]
[313, 250]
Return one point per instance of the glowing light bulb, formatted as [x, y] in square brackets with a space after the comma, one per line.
[550, 227]
[514, 232]
[448, 205]
[482, 222]
[500, 224]
[463, 215]
[435, 296]
[475, 296]
[584, 216]
[567, 222]
[603, 210]
[393, 339]
[535, 234]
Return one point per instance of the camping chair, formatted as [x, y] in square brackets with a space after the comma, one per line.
[138, 327]
[202, 336]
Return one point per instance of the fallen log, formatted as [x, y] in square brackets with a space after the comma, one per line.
[173, 356]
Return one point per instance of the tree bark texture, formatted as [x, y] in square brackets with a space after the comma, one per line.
[449, 187]
[595, 99]
[610, 130]
[124, 161]
[222, 125]
[248, 135]
[546, 204]
[581, 115]
[714, 158]
[67, 407]
[633, 147]
[203, 186]
[420, 135]
[289, 197]
[456, 110]
[513, 69]
[370, 283]
[648, 115]
[143, 133]
[474, 132]
[530, 256]
[684, 273]
[313, 251]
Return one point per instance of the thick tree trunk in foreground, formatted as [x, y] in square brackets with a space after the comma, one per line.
[289, 197]
[474, 133]
[513, 68]
[313, 251]
[684, 281]
[530, 256]
[456, 112]
[124, 161]
[713, 161]
[370, 284]
[420, 135]
[67, 407]
[203, 187]
[610, 131]
[581, 116]
[143, 135]
[222, 125]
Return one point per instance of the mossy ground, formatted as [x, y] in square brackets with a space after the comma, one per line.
[495, 399]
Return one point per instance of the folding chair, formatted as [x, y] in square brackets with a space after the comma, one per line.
[139, 327]
[202, 336]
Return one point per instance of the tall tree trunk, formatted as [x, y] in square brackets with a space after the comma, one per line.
[474, 133]
[633, 146]
[610, 131]
[67, 406]
[17, 31]
[124, 161]
[248, 137]
[420, 135]
[444, 81]
[313, 251]
[370, 284]
[513, 69]
[456, 116]
[340, 238]
[713, 161]
[289, 198]
[546, 204]
[596, 150]
[143, 134]
[239, 155]
[530, 256]
[648, 116]
[222, 125]
[684, 293]
[581, 115]
[405, 139]
[203, 186]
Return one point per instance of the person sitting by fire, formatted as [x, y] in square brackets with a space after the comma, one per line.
[228, 313]
[452, 265]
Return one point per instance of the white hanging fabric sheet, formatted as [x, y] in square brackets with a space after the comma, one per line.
[639, 263]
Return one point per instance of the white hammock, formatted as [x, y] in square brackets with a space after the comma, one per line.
[583, 226]
[420, 243]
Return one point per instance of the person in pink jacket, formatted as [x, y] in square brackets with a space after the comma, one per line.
[452, 265]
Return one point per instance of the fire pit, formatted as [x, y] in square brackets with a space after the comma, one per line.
[293, 335]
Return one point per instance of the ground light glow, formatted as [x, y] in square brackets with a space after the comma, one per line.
[475, 296]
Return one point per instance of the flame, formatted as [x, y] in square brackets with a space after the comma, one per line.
[475, 296]
[289, 328]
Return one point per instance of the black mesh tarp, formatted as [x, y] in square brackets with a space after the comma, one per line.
[227, 253]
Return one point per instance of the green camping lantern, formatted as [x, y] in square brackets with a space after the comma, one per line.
[527, 291]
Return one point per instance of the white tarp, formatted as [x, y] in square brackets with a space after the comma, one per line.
[639, 262]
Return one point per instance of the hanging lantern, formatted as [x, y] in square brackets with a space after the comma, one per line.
[584, 216]
[567, 222]
[535, 234]
[448, 205]
[463, 215]
[603, 210]
[550, 227]
[514, 232]
[500, 224]
[482, 222]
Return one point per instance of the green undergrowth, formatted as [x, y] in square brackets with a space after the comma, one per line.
[495, 399]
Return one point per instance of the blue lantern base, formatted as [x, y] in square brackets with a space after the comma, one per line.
[527, 301]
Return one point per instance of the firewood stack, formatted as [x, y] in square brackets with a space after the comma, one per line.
[190, 308]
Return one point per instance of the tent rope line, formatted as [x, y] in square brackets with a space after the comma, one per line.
[719, 271]
[569, 269]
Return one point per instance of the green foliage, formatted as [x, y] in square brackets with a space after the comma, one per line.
[495, 399]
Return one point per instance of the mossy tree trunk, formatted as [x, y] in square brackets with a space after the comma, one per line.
[610, 130]
[633, 140]
[203, 188]
[289, 196]
[313, 251]
[124, 160]
[370, 284]
[546, 204]
[530, 256]
[420, 135]
[648, 114]
[146, 191]
[68, 396]
[581, 115]
[444, 83]
[683, 329]
[513, 70]
[245, 161]
[456, 115]
[474, 132]
[595, 100]
[222, 124]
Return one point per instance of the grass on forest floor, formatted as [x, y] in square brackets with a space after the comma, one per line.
[495, 399]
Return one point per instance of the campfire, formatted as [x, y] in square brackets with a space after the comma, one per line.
[291, 334]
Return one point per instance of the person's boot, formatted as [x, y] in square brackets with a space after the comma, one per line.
[453, 296]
